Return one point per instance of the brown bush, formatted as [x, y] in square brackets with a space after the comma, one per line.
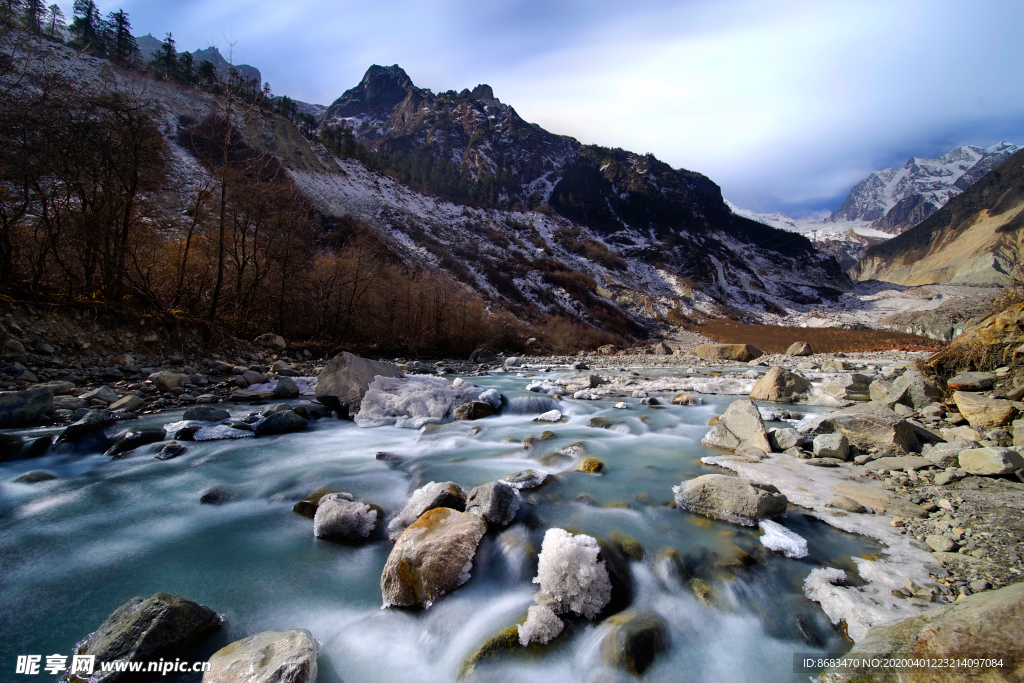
[776, 339]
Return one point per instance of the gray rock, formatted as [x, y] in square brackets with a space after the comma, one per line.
[779, 386]
[851, 387]
[272, 341]
[526, 479]
[914, 390]
[128, 404]
[59, 388]
[940, 544]
[170, 450]
[634, 639]
[831, 446]
[21, 407]
[990, 461]
[68, 403]
[267, 657]
[740, 425]
[431, 557]
[162, 626]
[733, 499]
[899, 463]
[512, 362]
[44, 349]
[482, 356]
[343, 381]
[206, 414]
[253, 377]
[34, 477]
[129, 441]
[751, 452]
[972, 381]
[91, 422]
[847, 504]
[14, 346]
[339, 518]
[497, 502]
[786, 438]
[878, 390]
[165, 381]
[834, 365]
[868, 426]
[282, 423]
[446, 494]
[799, 349]
[286, 388]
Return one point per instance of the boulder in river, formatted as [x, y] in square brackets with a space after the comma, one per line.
[129, 441]
[21, 407]
[267, 657]
[526, 479]
[474, 410]
[307, 506]
[736, 352]
[91, 422]
[282, 423]
[986, 624]
[432, 557]
[733, 499]
[342, 383]
[286, 388]
[146, 629]
[206, 414]
[779, 386]
[497, 502]
[340, 518]
[633, 641]
[740, 425]
[446, 494]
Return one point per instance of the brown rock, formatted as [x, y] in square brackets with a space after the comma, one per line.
[799, 349]
[878, 500]
[984, 412]
[779, 385]
[738, 352]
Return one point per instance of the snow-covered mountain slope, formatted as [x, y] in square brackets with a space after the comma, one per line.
[895, 199]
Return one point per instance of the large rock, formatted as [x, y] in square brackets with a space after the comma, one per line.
[733, 499]
[852, 387]
[879, 500]
[868, 427]
[972, 381]
[90, 423]
[497, 502]
[984, 412]
[633, 640]
[282, 423]
[103, 393]
[206, 413]
[340, 518]
[445, 494]
[267, 657]
[162, 626]
[740, 425]
[432, 557]
[342, 383]
[21, 407]
[914, 390]
[831, 446]
[129, 403]
[799, 349]
[878, 390]
[779, 386]
[738, 352]
[129, 441]
[286, 388]
[474, 410]
[990, 461]
[165, 381]
[786, 438]
[986, 624]
[272, 341]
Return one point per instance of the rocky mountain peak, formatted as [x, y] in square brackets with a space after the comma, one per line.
[483, 93]
[380, 90]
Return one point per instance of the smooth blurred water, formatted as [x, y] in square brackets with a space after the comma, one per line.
[74, 549]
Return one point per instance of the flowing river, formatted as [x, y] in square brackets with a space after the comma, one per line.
[75, 548]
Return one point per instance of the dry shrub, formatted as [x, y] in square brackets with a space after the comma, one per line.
[776, 339]
[563, 337]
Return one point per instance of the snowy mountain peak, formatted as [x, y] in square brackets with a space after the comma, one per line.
[897, 198]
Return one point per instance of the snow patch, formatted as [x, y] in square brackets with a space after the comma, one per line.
[781, 540]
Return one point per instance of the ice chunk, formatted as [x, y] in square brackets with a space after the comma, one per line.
[491, 396]
[780, 539]
[586, 395]
[571, 575]
[221, 432]
[622, 405]
[541, 625]
[550, 416]
[412, 401]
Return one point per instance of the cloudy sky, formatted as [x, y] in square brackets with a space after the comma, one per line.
[786, 105]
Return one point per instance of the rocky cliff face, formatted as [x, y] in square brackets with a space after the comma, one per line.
[896, 199]
[976, 238]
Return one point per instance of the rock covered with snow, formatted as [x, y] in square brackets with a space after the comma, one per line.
[781, 540]
[550, 416]
[344, 381]
[572, 577]
[341, 518]
[732, 499]
[526, 479]
[432, 557]
[446, 494]
[542, 624]
[412, 401]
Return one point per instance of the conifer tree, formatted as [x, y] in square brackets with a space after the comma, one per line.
[88, 29]
[124, 49]
[32, 15]
[186, 68]
[166, 60]
[53, 25]
[9, 10]
[206, 73]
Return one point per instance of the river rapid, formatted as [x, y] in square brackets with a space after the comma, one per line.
[75, 548]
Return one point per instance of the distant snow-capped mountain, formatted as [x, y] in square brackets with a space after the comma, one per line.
[895, 199]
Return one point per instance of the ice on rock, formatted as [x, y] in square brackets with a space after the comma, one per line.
[541, 626]
[412, 401]
[221, 432]
[550, 416]
[587, 395]
[571, 577]
[622, 406]
[781, 540]
[491, 396]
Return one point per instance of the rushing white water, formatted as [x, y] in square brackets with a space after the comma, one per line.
[74, 549]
